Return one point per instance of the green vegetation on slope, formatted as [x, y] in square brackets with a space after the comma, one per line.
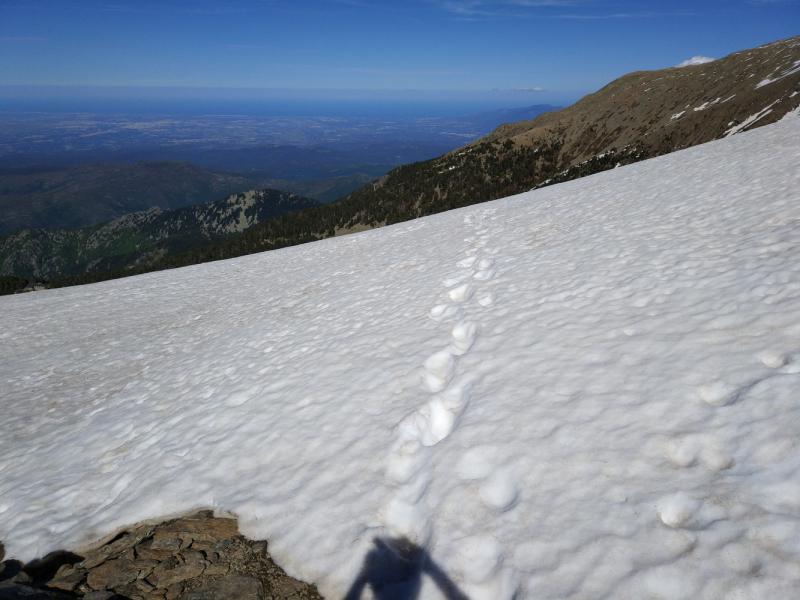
[140, 238]
[10, 284]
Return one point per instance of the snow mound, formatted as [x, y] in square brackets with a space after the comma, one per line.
[590, 390]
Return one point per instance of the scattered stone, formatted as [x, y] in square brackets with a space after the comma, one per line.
[116, 547]
[219, 568]
[143, 586]
[174, 591]
[113, 574]
[199, 529]
[146, 550]
[171, 544]
[68, 578]
[172, 571]
[202, 545]
[131, 591]
[221, 545]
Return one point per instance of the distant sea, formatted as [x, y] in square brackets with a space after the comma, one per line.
[259, 108]
[375, 105]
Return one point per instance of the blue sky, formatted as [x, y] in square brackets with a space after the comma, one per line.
[565, 47]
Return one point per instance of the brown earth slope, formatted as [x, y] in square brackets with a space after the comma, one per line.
[662, 111]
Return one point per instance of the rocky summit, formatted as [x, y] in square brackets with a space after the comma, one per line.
[199, 557]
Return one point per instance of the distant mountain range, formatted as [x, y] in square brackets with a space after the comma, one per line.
[635, 117]
[140, 237]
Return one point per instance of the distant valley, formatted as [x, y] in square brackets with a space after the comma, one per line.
[61, 197]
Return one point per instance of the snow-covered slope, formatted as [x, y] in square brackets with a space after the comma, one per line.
[591, 390]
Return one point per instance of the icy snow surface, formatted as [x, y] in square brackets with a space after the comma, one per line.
[591, 390]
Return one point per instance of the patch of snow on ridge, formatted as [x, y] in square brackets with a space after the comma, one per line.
[589, 390]
[795, 68]
[750, 120]
[705, 105]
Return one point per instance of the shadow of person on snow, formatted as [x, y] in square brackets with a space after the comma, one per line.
[394, 569]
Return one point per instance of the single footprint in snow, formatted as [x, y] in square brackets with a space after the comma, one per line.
[438, 370]
[464, 335]
[480, 557]
[424, 427]
[488, 300]
[484, 275]
[500, 490]
[497, 485]
[774, 360]
[682, 452]
[441, 421]
[716, 458]
[408, 455]
[718, 393]
[677, 510]
[479, 564]
[445, 312]
[456, 397]
[462, 293]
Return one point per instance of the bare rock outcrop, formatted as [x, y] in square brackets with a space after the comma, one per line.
[192, 558]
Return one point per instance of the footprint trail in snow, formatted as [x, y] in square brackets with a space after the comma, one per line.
[450, 391]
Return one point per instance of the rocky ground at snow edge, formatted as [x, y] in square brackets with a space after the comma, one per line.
[192, 558]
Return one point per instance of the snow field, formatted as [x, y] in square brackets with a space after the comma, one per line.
[590, 390]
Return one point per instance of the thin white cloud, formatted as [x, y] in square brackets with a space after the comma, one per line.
[696, 60]
[22, 39]
[527, 89]
[244, 47]
[493, 9]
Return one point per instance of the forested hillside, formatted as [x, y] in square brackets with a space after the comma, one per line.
[139, 239]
